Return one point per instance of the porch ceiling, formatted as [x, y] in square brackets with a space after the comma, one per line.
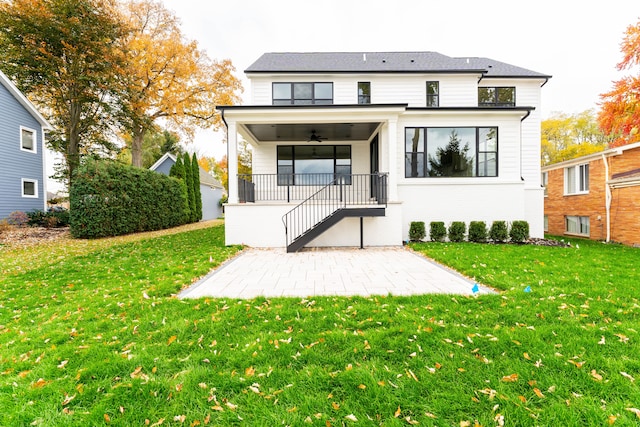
[328, 132]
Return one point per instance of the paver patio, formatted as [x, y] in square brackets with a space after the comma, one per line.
[327, 272]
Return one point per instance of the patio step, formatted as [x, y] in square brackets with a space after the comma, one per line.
[330, 221]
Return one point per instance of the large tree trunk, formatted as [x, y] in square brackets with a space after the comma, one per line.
[72, 155]
[136, 146]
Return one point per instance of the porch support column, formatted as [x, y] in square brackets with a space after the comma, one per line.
[392, 139]
[232, 161]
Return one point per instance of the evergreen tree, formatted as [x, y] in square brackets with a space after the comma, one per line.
[196, 186]
[178, 171]
[188, 173]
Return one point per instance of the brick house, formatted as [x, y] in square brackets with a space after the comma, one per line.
[595, 196]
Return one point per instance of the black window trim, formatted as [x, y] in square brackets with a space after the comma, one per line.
[293, 99]
[435, 96]
[477, 147]
[495, 102]
[363, 98]
[293, 162]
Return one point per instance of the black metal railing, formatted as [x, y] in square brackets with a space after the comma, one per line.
[343, 191]
[360, 188]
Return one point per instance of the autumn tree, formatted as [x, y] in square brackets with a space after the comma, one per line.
[64, 55]
[566, 137]
[170, 78]
[620, 108]
[220, 170]
[154, 145]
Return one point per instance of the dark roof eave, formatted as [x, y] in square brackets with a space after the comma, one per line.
[471, 108]
[365, 71]
[278, 107]
[541, 76]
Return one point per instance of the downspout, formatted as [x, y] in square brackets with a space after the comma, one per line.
[607, 191]
[522, 120]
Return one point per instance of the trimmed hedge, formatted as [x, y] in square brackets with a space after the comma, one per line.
[416, 231]
[499, 232]
[457, 230]
[519, 231]
[111, 199]
[437, 231]
[477, 231]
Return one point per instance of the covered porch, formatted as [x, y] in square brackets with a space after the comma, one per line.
[311, 164]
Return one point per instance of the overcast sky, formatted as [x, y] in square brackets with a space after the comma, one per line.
[574, 41]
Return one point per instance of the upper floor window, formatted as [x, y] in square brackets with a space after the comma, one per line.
[451, 152]
[364, 92]
[29, 188]
[27, 139]
[576, 179]
[545, 181]
[302, 93]
[496, 96]
[433, 94]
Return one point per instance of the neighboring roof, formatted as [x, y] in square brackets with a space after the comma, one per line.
[162, 159]
[384, 62]
[595, 156]
[13, 90]
[205, 177]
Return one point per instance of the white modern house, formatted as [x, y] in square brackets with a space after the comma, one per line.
[349, 148]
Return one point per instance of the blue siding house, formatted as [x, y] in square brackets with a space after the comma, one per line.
[210, 189]
[22, 152]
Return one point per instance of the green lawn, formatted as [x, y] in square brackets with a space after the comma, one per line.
[92, 334]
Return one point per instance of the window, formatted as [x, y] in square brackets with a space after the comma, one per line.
[577, 225]
[27, 139]
[364, 93]
[29, 188]
[576, 179]
[451, 152]
[496, 96]
[545, 181]
[313, 164]
[546, 223]
[302, 93]
[433, 92]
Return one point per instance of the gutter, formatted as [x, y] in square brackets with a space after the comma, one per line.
[521, 120]
[607, 192]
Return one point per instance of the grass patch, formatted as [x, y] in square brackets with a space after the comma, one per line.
[96, 337]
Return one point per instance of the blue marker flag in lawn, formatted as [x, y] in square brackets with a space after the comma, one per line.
[527, 289]
[475, 288]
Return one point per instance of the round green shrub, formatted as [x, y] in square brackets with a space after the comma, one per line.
[457, 231]
[416, 231]
[498, 232]
[477, 231]
[437, 231]
[519, 231]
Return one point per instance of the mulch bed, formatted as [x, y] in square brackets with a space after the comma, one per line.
[16, 237]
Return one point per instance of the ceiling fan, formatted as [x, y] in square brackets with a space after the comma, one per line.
[315, 137]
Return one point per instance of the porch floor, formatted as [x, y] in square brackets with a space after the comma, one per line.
[329, 272]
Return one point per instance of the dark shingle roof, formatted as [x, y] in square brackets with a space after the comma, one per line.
[383, 62]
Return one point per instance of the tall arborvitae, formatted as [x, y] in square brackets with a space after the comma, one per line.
[196, 186]
[188, 173]
[178, 171]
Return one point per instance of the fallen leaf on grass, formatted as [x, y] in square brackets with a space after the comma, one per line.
[596, 375]
[62, 364]
[397, 413]
[634, 410]
[510, 378]
[611, 419]
[538, 392]
[410, 421]
[107, 418]
[68, 399]
[624, 374]
[171, 339]
[352, 417]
